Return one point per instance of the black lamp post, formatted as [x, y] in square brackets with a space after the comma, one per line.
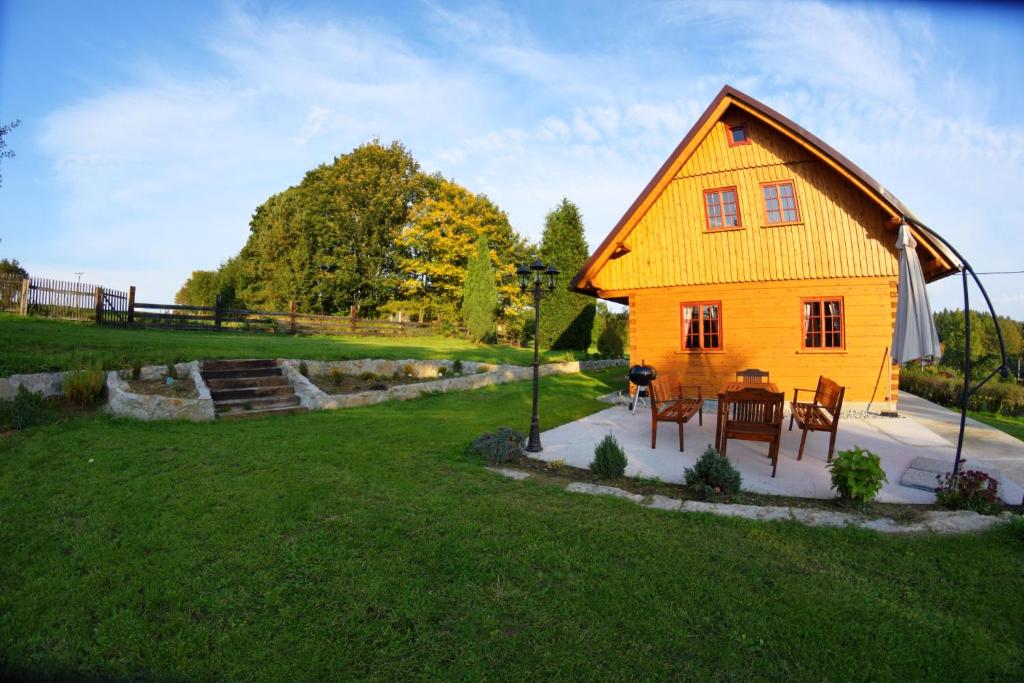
[536, 272]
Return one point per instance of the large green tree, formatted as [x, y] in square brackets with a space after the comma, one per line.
[567, 318]
[329, 243]
[436, 245]
[480, 298]
[11, 268]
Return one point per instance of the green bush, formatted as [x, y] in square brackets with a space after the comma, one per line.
[172, 370]
[137, 370]
[504, 445]
[303, 368]
[457, 367]
[857, 475]
[84, 387]
[713, 475]
[24, 411]
[609, 459]
[946, 388]
[972, 490]
[612, 342]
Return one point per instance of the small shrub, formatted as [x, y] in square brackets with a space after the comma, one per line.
[408, 369]
[337, 376]
[504, 445]
[609, 459]
[857, 475]
[24, 411]
[303, 368]
[137, 371]
[172, 370]
[713, 476]
[367, 376]
[457, 367]
[85, 387]
[555, 465]
[612, 342]
[442, 371]
[973, 490]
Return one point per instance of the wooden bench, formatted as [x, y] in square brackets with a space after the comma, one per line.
[670, 402]
[821, 415]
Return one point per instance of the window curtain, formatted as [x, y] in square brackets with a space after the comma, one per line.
[687, 320]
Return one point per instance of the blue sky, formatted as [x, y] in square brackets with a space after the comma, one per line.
[151, 130]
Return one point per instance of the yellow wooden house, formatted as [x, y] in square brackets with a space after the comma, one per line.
[757, 245]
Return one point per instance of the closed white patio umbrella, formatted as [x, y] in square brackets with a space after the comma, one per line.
[914, 335]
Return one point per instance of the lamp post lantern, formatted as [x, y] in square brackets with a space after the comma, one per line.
[534, 276]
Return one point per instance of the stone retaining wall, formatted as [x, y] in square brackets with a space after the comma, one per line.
[484, 374]
[122, 401]
[47, 384]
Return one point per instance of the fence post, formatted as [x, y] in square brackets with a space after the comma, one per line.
[99, 305]
[352, 317]
[292, 309]
[25, 285]
[131, 304]
[217, 312]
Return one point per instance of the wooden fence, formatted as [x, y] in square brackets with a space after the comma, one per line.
[181, 317]
[86, 302]
[48, 298]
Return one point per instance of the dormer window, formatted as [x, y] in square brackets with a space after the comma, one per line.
[738, 135]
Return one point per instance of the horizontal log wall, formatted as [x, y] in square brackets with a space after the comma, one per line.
[762, 327]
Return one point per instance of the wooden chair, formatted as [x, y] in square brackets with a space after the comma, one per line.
[822, 415]
[669, 404]
[752, 376]
[754, 414]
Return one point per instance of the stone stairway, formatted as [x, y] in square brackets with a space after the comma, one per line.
[248, 388]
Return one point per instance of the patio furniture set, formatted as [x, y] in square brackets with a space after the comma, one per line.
[749, 409]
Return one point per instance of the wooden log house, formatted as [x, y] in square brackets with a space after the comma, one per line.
[757, 245]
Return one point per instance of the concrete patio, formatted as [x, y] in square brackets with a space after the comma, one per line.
[899, 441]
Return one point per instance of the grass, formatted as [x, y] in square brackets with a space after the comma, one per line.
[40, 345]
[365, 543]
[1014, 426]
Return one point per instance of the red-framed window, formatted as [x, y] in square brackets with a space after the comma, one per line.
[780, 203]
[737, 135]
[721, 210]
[823, 323]
[701, 326]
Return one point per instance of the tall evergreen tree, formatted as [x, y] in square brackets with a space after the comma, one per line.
[567, 318]
[480, 300]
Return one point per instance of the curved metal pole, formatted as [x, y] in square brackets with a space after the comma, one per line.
[1003, 369]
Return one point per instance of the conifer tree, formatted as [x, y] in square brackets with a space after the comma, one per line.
[480, 299]
[566, 318]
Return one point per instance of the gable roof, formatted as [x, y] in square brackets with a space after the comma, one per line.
[936, 260]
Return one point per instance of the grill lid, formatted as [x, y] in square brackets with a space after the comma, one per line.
[642, 375]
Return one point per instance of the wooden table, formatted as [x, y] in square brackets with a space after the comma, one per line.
[731, 388]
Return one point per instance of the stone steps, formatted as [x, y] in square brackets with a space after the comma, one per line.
[249, 388]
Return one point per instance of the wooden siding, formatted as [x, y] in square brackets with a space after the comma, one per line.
[842, 232]
[763, 327]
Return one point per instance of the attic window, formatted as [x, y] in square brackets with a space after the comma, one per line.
[738, 136]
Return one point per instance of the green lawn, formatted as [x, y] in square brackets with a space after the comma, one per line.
[365, 543]
[39, 345]
[1014, 426]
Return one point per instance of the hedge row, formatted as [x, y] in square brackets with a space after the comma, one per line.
[995, 396]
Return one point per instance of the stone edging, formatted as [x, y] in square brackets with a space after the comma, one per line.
[313, 398]
[121, 401]
[934, 521]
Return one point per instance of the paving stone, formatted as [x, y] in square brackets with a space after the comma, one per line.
[662, 502]
[511, 474]
[959, 521]
[598, 490]
[764, 513]
[919, 479]
[936, 465]
[812, 517]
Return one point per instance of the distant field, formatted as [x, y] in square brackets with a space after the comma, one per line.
[37, 345]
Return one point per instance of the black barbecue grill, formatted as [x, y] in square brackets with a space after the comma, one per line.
[641, 376]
